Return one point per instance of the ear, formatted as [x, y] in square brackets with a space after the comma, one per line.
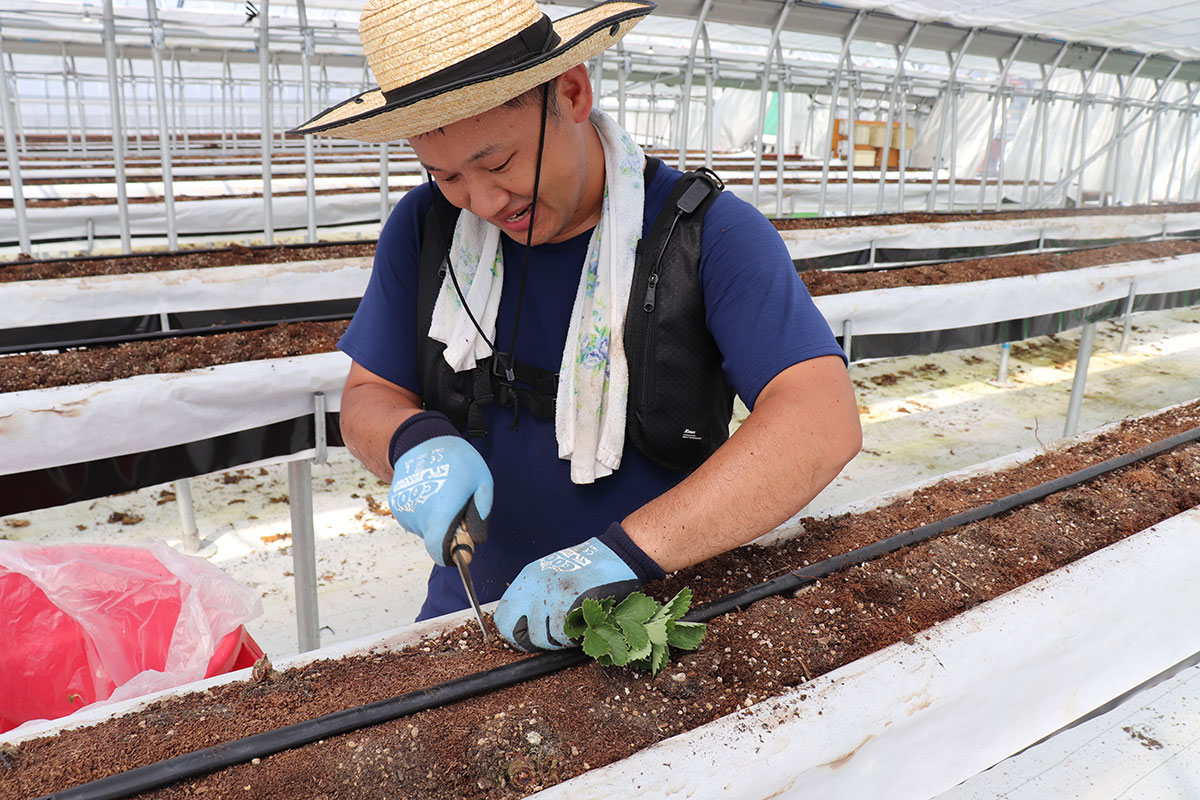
[575, 93]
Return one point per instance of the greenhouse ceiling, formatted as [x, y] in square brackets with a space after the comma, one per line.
[1072, 34]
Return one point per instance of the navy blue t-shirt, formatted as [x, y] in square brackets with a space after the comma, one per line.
[757, 309]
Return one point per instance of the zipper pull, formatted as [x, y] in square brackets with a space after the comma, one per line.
[649, 304]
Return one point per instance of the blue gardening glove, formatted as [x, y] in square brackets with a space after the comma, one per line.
[533, 609]
[438, 481]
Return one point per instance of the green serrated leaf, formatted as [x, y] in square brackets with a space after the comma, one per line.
[635, 635]
[593, 612]
[594, 644]
[678, 605]
[575, 626]
[656, 630]
[658, 659]
[618, 649]
[686, 635]
[637, 607]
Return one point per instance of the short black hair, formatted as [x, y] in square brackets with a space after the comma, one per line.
[534, 97]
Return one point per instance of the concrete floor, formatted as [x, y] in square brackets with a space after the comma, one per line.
[922, 416]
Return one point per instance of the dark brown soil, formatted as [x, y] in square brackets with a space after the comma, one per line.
[512, 742]
[159, 262]
[113, 362]
[821, 282]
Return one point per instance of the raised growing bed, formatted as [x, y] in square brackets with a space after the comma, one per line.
[782, 689]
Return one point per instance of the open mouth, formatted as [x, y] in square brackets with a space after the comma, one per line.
[520, 215]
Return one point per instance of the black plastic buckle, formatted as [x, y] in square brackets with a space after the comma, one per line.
[503, 361]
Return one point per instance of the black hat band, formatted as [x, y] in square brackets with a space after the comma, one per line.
[526, 45]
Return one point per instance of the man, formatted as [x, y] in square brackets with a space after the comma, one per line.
[567, 495]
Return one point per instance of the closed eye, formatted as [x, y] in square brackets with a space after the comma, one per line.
[503, 166]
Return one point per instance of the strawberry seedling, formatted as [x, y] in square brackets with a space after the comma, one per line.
[637, 632]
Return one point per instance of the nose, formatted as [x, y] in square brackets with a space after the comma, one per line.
[486, 198]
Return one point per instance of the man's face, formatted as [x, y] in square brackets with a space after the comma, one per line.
[486, 165]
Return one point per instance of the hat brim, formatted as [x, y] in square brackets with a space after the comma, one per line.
[369, 117]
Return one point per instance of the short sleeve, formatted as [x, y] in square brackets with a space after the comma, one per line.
[757, 308]
[382, 336]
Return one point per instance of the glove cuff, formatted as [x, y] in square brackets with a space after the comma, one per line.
[419, 428]
[645, 567]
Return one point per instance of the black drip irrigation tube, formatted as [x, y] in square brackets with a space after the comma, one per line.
[170, 333]
[210, 759]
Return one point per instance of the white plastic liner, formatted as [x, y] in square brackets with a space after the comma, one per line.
[56, 300]
[51, 427]
[915, 718]
[818, 242]
[908, 309]
[918, 717]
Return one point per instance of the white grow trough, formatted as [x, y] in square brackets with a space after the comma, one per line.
[916, 718]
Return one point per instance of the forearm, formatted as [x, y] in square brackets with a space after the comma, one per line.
[803, 431]
[370, 413]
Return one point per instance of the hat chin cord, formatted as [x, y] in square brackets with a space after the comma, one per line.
[505, 360]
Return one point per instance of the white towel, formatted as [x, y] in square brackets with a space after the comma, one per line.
[593, 380]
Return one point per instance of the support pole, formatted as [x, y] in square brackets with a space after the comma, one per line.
[264, 82]
[997, 102]
[1081, 115]
[1128, 321]
[1086, 340]
[118, 129]
[951, 87]
[304, 554]
[847, 339]
[763, 91]
[685, 96]
[1109, 181]
[158, 44]
[780, 131]
[829, 143]
[310, 183]
[67, 101]
[8, 116]
[901, 55]
[384, 200]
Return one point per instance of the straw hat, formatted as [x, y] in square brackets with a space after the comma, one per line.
[440, 61]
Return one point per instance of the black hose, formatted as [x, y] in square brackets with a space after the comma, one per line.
[806, 576]
[170, 333]
[200, 762]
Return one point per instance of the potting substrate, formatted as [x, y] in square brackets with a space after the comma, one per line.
[533, 735]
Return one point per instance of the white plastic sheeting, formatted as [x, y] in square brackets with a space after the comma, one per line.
[908, 309]
[58, 300]
[51, 427]
[915, 718]
[816, 242]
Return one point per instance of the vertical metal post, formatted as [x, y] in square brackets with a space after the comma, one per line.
[304, 554]
[953, 146]
[134, 121]
[310, 183]
[847, 338]
[780, 131]
[1081, 115]
[622, 71]
[903, 158]
[226, 105]
[851, 138]
[901, 55]
[8, 116]
[1002, 372]
[1109, 182]
[83, 142]
[1128, 321]
[1000, 159]
[187, 517]
[264, 82]
[997, 102]
[1039, 123]
[67, 101]
[118, 129]
[1152, 152]
[710, 76]
[951, 88]
[685, 96]
[829, 143]
[1187, 147]
[158, 44]
[18, 129]
[759, 143]
[1086, 340]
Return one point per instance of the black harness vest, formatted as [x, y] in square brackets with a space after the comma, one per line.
[680, 402]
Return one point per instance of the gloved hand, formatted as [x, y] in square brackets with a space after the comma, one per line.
[438, 480]
[533, 609]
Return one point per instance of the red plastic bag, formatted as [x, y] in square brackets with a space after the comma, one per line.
[89, 623]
